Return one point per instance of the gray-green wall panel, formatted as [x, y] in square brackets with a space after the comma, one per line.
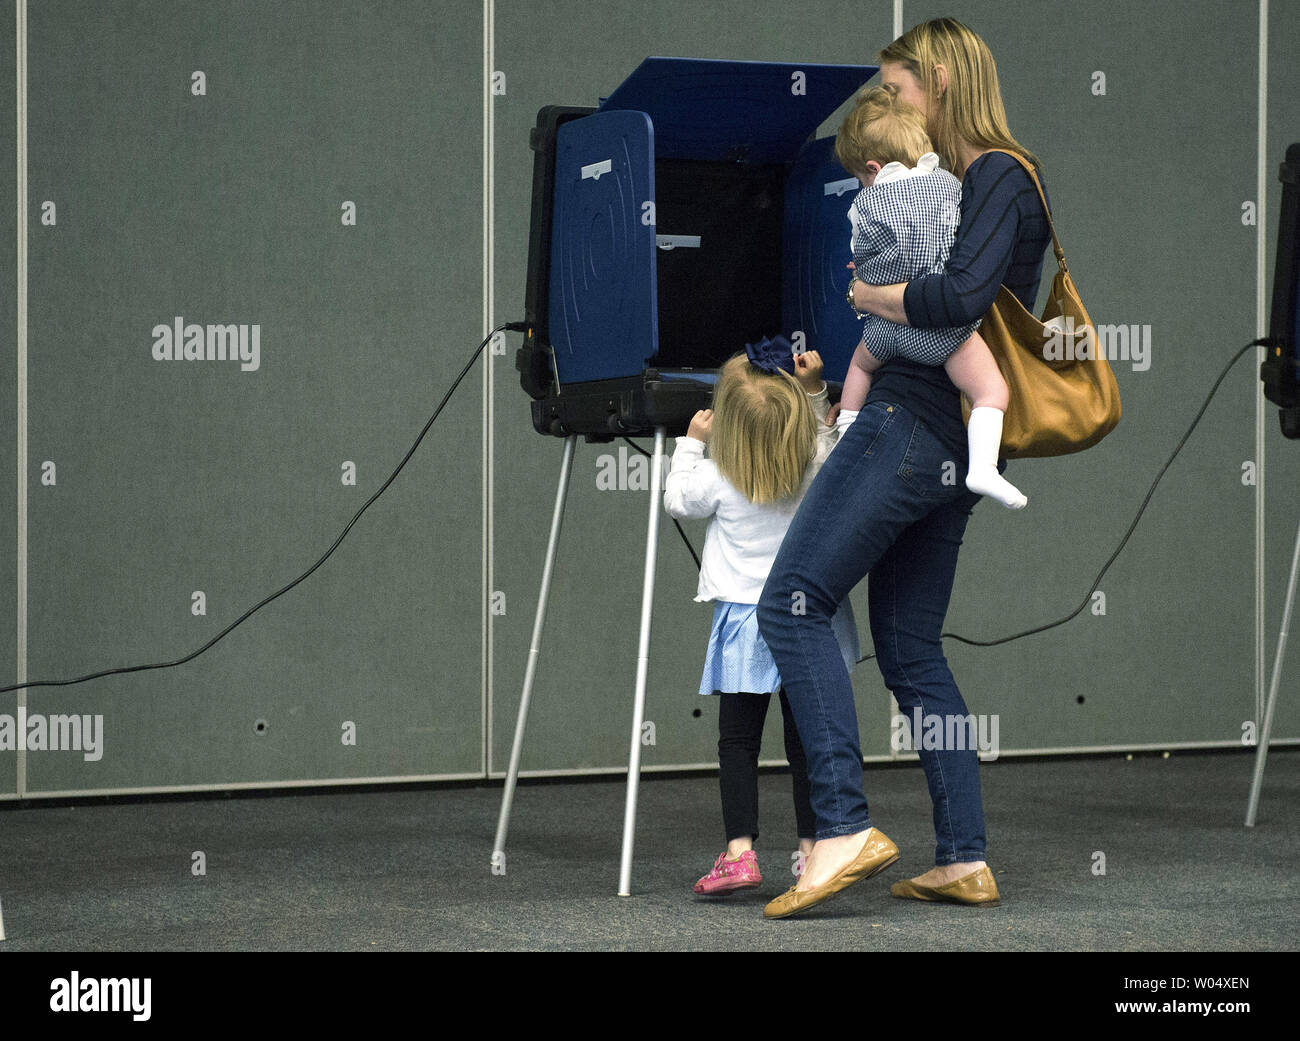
[582, 709]
[1148, 236]
[176, 476]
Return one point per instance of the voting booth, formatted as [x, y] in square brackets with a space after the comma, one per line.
[689, 213]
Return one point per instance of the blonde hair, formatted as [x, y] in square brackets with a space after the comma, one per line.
[764, 431]
[882, 127]
[971, 108]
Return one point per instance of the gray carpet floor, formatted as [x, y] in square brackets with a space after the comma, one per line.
[410, 869]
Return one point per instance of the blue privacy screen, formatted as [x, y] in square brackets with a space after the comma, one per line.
[605, 314]
[817, 198]
[604, 317]
[747, 111]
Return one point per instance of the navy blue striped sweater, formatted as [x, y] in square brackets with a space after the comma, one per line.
[1001, 239]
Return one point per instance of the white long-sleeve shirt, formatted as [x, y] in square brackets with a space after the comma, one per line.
[743, 537]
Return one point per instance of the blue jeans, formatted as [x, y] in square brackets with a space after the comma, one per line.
[890, 502]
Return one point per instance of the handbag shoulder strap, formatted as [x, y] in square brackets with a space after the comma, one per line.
[1029, 169]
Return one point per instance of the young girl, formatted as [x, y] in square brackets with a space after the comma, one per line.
[767, 438]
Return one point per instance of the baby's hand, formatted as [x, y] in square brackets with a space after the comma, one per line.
[808, 371]
[701, 427]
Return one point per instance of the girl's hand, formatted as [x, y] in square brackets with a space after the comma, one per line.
[831, 413]
[701, 427]
[808, 371]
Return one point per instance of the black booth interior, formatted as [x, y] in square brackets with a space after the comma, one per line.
[727, 292]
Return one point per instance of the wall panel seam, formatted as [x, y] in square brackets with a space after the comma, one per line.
[1261, 192]
[489, 418]
[20, 591]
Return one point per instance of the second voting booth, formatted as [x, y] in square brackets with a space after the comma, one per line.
[688, 214]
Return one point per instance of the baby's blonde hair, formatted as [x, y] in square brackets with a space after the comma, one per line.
[764, 431]
[883, 128]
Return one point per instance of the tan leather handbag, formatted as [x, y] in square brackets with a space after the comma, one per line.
[1063, 395]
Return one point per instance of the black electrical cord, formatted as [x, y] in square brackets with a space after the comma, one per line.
[1131, 528]
[1265, 342]
[521, 327]
[512, 326]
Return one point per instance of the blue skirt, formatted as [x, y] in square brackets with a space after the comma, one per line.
[738, 659]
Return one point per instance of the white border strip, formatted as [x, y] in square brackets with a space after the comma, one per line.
[898, 19]
[20, 647]
[1261, 195]
[489, 424]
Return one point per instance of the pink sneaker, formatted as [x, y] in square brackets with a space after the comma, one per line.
[729, 875]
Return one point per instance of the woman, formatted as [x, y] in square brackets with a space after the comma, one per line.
[885, 505]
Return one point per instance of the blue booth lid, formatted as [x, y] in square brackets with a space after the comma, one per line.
[749, 111]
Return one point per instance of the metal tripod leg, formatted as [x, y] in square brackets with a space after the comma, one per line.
[1261, 750]
[512, 774]
[642, 664]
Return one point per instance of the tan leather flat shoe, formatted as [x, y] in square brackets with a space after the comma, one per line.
[976, 888]
[878, 853]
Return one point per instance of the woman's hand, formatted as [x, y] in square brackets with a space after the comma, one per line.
[808, 371]
[701, 427]
[882, 301]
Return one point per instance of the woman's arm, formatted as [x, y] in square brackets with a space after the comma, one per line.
[992, 195]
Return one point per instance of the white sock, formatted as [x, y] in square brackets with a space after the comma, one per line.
[984, 437]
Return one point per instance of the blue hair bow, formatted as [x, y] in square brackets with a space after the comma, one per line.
[771, 355]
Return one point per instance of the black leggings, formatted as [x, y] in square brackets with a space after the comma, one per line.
[740, 733]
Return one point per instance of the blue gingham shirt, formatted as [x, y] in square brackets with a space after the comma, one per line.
[904, 226]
